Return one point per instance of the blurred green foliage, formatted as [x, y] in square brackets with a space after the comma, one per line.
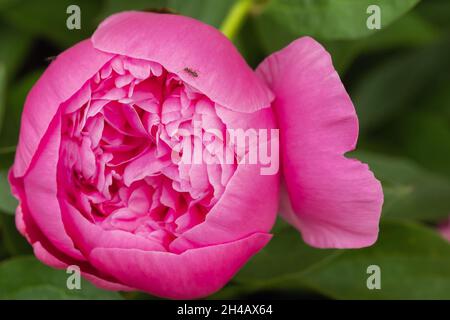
[30, 279]
[398, 78]
[408, 255]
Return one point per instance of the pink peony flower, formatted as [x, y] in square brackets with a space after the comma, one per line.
[98, 185]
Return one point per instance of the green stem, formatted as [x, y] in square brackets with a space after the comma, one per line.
[235, 18]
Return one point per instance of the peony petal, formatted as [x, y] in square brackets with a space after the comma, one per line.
[47, 258]
[88, 235]
[62, 79]
[199, 54]
[334, 201]
[204, 270]
[40, 192]
[106, 284]
[145, 165]
[49, 255]
[249, 204]
[20, 223]
[261, 119]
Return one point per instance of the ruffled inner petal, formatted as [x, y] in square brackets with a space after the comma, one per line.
[118, 140]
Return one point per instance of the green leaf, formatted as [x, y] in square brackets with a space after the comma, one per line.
[414, 263]
[12, 54]
[15, 102]
[3, 253]
[324, 19]
[2, 93]
[437, 12]
[285, 257]
[113, 6]
[41, 292]
[211, 12]
[423, 134]
[248, 45]
[14, 243]
[276, 262]
[409, 31]
[6, 157]
[410, 191]
[397, 84]
[48, 18]
[6, 3]
[27, 278]
[8, 203]
[16, 46]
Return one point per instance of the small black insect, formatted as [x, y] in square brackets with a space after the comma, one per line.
[50, 59]
[191, 72]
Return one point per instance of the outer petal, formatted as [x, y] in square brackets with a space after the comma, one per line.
[248, 205]
[51, 257]
[87, 235]
[199, 54]
[193, 274]
[40, 191]
[334, 201]
[46, 257]
[63, 78]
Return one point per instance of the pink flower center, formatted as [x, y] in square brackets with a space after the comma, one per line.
[118, 134]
